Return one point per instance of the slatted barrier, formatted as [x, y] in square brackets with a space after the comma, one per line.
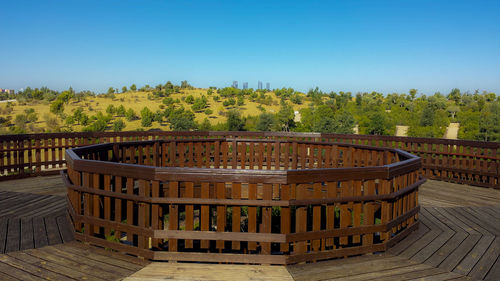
[242, 200]
[468, 162]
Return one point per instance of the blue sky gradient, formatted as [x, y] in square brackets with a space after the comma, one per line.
[386, 46]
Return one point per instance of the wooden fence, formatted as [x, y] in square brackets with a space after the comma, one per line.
[242, 200]
[468, 162]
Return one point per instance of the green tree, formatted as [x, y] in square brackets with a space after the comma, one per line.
[234, 121]
[205, 125]
[84, 119]
[70, 120]
[120, 110]
[130, 115]
[427, 117]
[110, 109]
[133, 88]
[453, 109]
[455, 95]
[489, 123]
[413, 94]
[241, 100]
[285, 117]
[57, 106]
[189, 99]
[111, 90]
[182, 120]
[378, 124]
[124, 89]
[265, 122]
[20, 124]
[31, 115]
[118, 125]
[146, 117]
[200, 104]
[359, 99]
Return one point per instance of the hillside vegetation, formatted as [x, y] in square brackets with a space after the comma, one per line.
[183, 107]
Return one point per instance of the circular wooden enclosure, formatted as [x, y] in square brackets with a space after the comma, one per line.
[264, 201]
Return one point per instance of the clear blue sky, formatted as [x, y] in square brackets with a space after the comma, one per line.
[387, 46]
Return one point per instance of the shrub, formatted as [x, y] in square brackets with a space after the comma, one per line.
[118, 125]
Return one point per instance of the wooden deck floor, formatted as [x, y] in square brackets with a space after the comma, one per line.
[70, 261]
[458, 239]
[30, 221]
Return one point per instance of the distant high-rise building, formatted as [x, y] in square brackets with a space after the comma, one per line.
[268, 86]
[259, 85]
[235, 84]
[245, 85]
[8, 91]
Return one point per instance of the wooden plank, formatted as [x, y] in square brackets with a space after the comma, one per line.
[236, 213]
[53, 236]
[130, 207]
[221, 212]
[487, 260]
[205, 213]
[265, 227]
[473, 257]
[285, 214]
[31, 269]
[173, 219]
[3, 234]
[104, 270]
[13, 242]
[39, 232]
[13, 273]
[252, 214]
[27, 241]
[65, 229]
[105, 258]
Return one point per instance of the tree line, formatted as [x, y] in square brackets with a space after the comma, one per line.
[373, 113]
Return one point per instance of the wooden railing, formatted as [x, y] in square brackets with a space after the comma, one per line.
[468, 162]
[242, 200]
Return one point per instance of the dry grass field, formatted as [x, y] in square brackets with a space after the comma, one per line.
[137, 101]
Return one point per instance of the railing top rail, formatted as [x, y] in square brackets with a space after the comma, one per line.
[481, 144]
[409, 162]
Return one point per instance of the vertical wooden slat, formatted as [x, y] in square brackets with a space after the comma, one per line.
[357, 209]
[369, 208]
[205, 213]
[87, 204]
[118, 203]
[173, 219]
[96, 201]
[330, 209]
[300, 218]
[130, 207]
[345, 213]
[266, 217]
[189, 222]
[285, 215]
[236, 213]
[252, 214]
[155, 210]
[107, 203]
[221, 213]
[316, 225]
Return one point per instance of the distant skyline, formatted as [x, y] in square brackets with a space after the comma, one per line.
[357, 46]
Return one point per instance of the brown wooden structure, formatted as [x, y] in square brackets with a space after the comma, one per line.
[265, 201]
[467, 162]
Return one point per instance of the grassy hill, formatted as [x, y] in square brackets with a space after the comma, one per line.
[137, 100]
[187, 108]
